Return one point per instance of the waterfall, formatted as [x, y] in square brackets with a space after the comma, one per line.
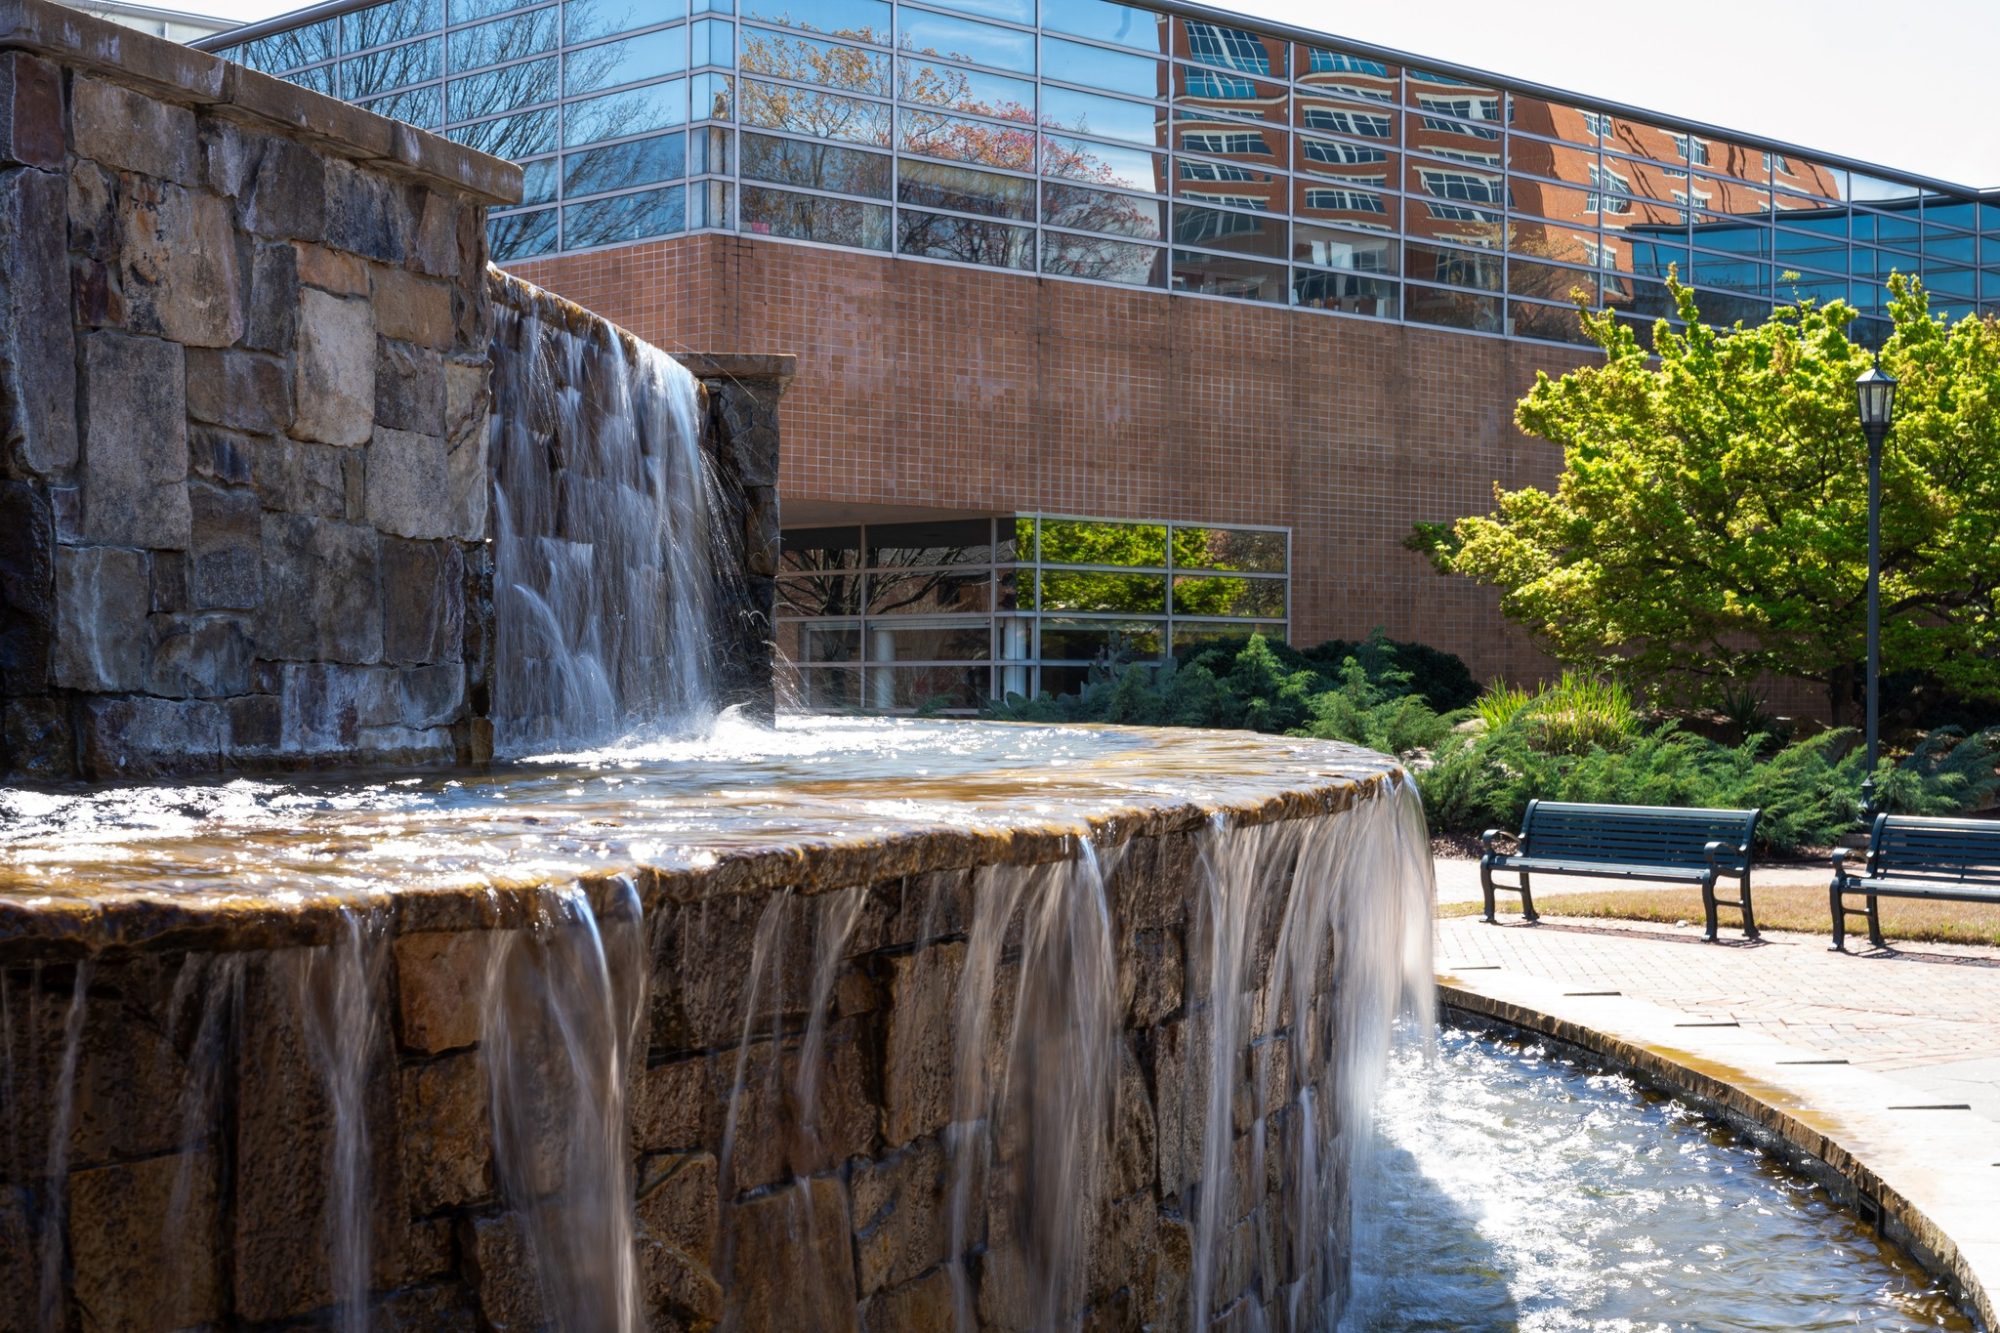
[561, 1017]
[607, 535]
[338, 988]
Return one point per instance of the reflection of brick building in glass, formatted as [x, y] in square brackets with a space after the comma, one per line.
[1202, 278]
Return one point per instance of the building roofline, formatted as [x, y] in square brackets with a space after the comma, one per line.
[1293, 32]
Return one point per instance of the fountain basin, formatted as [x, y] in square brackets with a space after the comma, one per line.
[874, 1024]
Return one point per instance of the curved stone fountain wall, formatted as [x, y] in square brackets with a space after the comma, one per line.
[974, 1073]
[247, 335]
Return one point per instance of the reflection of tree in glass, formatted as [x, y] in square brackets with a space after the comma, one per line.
[1005, 137]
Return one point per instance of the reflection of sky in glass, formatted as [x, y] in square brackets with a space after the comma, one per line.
[961, 39]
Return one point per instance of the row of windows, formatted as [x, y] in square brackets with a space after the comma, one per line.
[942, 616]
[858, 142]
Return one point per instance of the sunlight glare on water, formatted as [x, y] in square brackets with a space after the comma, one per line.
[1513, 1189]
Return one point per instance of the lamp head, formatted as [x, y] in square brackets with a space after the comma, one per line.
[1875, 397]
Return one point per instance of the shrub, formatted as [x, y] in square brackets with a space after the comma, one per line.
[1580, 713]
[1501, 704]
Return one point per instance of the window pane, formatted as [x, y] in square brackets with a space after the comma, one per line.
[1324, 247]
[1346, 291]
[513, 137]
[504, 39]
[803, 217]
[1345, 74]
[1230, 47]
[1089, 640]
[503, 90]
[986, 143]
[521, 235]
[1097, 68]
[383, 24]
[1103, 164]
[942, 542]
[829, 691]
[1237, 550]
[1346, 205]
[964, 190]
[625, 217]
[396, 67]
[627, 61]
[807, 60]
[538, 181]
[1456, 309]
[1106, 260]
[1101, 210]
[1228, 183]
[929, 687]
[1083, 542]
[1460, 268]
[1197, 595]
[1245, 233]
[836, 642]
[653, 107]
[971, 641]
[823, 115]
[289, 50]
[1188, 632]
[1105, 21]
[951, 86]
[1203, 94]
[819, 166]
[962, 39]
[966, 240]
[422, 107]
[927, 592]
[1129, 594]
[638, 163]
[584, 20]
[821, 548]
[1547, 282]
[820, 595]
[867, 20]
[1110, 117]
[464, 11]
[1219, 275]
[1014, 11]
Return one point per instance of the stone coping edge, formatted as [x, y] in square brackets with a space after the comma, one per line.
[176, 73]
[57, 927]
[1736, 1102]
[759, 367]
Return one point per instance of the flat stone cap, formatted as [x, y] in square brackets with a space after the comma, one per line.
[778, 367]
[175, 73]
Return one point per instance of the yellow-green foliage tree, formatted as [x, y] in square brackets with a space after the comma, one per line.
[1710, 524]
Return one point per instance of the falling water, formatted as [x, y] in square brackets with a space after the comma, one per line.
[561, 1016]
[220, 982]
[339, 990]
[607, 556]
[55, 1190]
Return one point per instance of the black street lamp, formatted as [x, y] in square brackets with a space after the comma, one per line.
[1875, 396]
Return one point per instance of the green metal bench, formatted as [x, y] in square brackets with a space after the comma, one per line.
[1949, 860]
[1650, 842]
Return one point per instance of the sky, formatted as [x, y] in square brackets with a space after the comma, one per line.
[1895, 82]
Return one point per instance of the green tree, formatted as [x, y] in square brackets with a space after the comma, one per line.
[1710, 523]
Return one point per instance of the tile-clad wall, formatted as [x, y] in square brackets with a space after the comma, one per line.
[925, 384]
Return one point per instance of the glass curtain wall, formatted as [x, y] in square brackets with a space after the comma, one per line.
[1106, 142]
[941, 616]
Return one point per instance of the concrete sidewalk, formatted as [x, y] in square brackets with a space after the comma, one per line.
[1889, 1057]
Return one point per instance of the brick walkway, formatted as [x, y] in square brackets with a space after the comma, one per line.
[1895, 1054]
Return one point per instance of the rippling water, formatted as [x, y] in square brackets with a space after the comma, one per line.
[1513, 1189]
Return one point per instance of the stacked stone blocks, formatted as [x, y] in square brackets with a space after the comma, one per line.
[244, 356]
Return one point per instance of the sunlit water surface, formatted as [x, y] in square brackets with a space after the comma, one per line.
[1514, 1189]
[668, 803]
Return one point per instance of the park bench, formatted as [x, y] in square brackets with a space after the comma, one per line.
[1650, 842]
[1949, 860]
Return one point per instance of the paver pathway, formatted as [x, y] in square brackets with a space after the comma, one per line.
[1896, 1053]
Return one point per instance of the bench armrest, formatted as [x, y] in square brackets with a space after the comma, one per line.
[1493, 835]
[1714, 851]
[1840, 862]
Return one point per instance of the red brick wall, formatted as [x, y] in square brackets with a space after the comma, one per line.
[929, 384]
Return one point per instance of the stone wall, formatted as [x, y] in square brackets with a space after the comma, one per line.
[174, 1135]
[245, 356]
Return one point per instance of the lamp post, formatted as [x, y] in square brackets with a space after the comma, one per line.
[1875, 397]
